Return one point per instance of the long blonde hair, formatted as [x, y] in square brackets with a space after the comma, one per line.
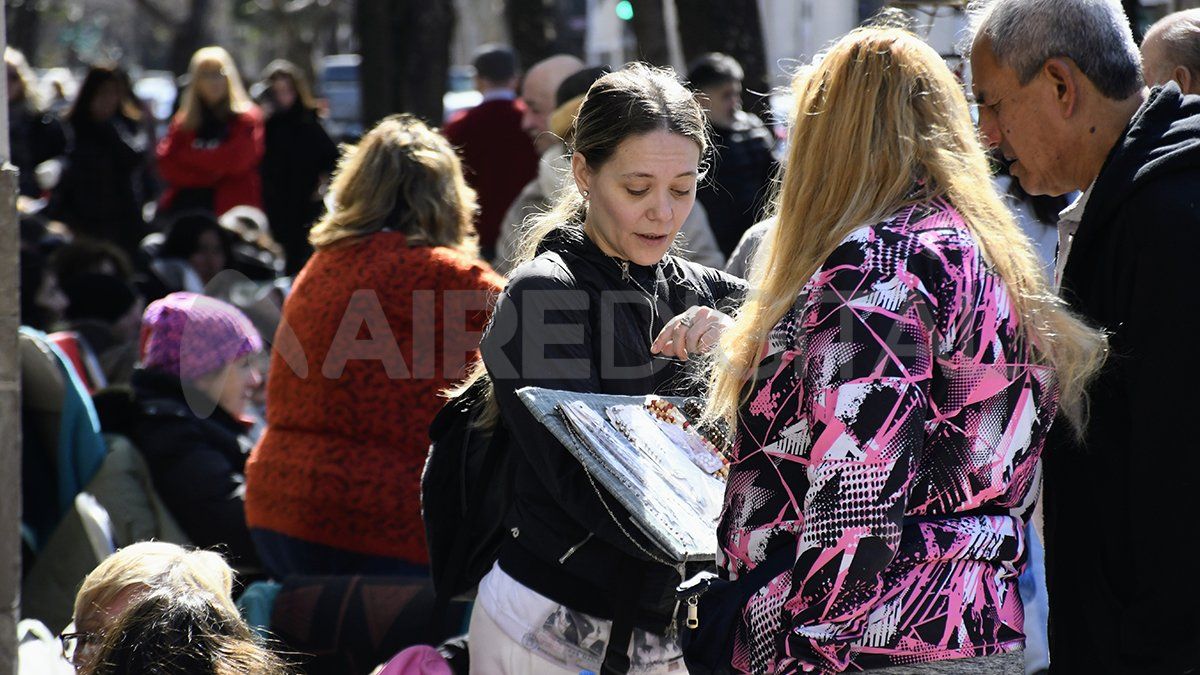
[878, 115]
[236, 101]
[406, 177]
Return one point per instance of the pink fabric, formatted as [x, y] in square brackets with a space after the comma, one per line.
[892, 441]
[417, 660]
[191, 335]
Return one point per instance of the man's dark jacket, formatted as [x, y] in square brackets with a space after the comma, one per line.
[1123, 511]
[738, 185]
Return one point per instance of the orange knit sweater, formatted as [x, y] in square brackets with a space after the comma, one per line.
[349, 406]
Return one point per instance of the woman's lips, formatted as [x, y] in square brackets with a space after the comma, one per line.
[651, 238]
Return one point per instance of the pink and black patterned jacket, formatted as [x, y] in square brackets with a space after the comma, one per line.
[892, 439]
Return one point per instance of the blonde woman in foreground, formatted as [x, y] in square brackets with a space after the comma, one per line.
[891, 381]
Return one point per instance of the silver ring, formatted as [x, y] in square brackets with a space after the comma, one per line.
[686, 321]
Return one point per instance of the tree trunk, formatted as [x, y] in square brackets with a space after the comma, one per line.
[405, 49]
[650, 29]
[191, 35]
[732, 27]
[531, 23]
[24, 25]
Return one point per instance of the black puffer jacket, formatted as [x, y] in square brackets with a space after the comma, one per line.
[575, 319]
[197, 463]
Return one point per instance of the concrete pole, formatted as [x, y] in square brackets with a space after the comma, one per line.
[10, 401]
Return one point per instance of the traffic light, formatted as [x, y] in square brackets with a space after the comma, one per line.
[625, 10]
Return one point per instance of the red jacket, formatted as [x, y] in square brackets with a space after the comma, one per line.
[377, 330]
[499, 157]
[230, 169]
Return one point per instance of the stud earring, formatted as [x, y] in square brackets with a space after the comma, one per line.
[585, 194]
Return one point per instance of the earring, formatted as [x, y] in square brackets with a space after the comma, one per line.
[585, 194]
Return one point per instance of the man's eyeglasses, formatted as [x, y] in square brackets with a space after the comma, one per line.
[78, 647]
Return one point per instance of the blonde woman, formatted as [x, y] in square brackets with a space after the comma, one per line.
[333, 486]
[210, 155]
[134, 571]
[183, 630]
[891, 381]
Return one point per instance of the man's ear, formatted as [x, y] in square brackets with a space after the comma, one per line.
[1064, 76]
[1183, 75]
[581, 172]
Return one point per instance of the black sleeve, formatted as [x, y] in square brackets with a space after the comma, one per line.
[728, 291]
[540, 336]
[51, 139]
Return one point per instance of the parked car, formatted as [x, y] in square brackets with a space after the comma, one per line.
[338, 83]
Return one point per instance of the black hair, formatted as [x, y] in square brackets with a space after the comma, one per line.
[183, 236]
[495, 63]
[714, 69]
[577, 84]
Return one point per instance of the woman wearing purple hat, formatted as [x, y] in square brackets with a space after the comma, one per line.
[191, 388]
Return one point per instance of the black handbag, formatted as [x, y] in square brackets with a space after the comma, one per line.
[710, 607]
[466, 488]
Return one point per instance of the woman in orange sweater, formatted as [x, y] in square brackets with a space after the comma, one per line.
[384, 316]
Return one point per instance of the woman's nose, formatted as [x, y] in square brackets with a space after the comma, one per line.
[662, 210]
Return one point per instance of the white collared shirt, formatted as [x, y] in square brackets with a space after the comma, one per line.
[499, 95]
[1068, 224]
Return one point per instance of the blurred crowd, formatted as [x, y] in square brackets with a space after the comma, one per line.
[154, 278]
[235, 338]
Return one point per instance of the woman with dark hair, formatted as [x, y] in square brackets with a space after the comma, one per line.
[100, 193]
[573, 589]
[196, 248]
[298, 160]
[210, 156]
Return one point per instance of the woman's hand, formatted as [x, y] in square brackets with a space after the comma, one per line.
[695, 331]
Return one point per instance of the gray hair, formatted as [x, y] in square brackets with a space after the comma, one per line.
[1094, 34]
[1180, 36]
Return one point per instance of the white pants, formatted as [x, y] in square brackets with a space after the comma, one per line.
[494, 653]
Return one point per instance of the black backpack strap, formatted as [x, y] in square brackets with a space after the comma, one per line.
[616, 654]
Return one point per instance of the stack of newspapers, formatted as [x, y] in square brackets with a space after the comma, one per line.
[644, 452]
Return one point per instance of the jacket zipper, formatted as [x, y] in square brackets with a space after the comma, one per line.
[571, 551]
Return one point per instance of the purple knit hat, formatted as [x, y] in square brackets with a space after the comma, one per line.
[192, 335]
